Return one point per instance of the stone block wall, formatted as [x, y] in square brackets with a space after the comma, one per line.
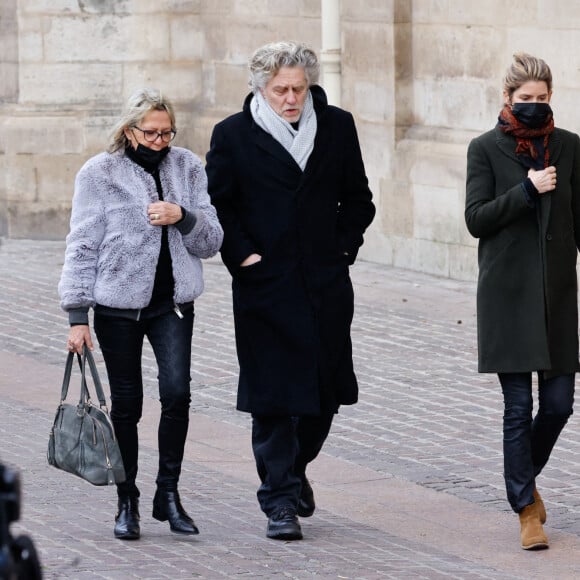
[457, 55]
[422, 77]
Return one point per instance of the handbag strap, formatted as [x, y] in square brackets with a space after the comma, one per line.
[88, 356]
[85, 394]
[66, 379]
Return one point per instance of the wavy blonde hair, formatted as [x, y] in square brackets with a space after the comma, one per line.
[138, 105]
[524, 68]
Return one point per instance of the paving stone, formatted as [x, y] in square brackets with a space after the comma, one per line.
[425, 417]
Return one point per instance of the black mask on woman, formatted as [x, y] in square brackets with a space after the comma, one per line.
[532, 115]
[146, 157]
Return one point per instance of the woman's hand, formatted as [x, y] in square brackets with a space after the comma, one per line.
[251, 259]
[79, 335]
[163, 213]
[544, 180]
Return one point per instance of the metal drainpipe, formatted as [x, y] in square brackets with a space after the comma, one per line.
[330, 56]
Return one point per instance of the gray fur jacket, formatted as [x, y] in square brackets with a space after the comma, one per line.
[112, 250]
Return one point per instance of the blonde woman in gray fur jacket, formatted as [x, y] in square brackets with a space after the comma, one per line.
[141, 220]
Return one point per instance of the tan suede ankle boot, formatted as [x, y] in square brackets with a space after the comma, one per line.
[532, 533]
[541, 508]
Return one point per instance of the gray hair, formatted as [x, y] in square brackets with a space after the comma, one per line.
[138, 105]
[526, 68]
[270, 58]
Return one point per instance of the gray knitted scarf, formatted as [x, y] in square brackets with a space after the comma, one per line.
[299, 143]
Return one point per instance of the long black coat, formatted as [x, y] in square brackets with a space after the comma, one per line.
[527, 311]
[292, 310]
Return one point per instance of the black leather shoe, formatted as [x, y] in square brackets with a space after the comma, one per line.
[306, 505]
[167, 506]
[127, 520]
[284, 525]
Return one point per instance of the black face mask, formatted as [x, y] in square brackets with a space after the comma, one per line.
[146, 157]
[532, 115]
[151, 156]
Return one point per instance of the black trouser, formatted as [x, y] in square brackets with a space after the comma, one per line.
[121, 341]
[527, 443]
[283, 447]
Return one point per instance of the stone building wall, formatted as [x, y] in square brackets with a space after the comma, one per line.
[422, 77]
[458, 57]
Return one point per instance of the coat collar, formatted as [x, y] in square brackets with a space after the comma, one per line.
[266, 142]
[507, 144]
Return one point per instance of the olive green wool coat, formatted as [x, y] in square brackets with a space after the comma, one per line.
[527, 309]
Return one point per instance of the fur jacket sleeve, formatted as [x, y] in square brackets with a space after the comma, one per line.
[112, 249]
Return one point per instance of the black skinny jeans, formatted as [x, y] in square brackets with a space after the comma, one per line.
[527, 443]
[121, 342]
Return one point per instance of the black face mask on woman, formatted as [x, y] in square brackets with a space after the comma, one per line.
[532, 115]
[150, 157]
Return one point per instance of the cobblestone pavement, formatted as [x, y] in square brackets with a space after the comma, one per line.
[426, 421]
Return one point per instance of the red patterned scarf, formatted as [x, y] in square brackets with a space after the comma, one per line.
[525, 136]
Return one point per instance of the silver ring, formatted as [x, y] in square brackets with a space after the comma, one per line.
[155, 216]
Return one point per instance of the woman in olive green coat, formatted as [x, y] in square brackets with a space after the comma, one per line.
[523, 203]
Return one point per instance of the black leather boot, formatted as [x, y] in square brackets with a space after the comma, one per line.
[167, 506]
[127, 520]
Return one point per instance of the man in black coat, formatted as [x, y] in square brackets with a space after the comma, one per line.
[287, 179]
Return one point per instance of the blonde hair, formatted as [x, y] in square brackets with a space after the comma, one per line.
[270, 58]
[138, 105]
[526, 68]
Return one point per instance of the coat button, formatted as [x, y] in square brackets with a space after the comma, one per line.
[549, 237]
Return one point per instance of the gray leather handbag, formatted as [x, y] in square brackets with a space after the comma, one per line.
[82, 439]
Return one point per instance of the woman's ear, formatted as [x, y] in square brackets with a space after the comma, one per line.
[129, 136]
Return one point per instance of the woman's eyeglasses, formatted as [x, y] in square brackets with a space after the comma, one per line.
[152, 136]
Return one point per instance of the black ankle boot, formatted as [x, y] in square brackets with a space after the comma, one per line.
[167, 506]
[127, 520]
